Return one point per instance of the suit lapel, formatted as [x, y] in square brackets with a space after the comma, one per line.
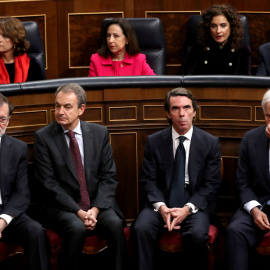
[262, 152]
[5, 159]
[166, 151]
[60, 141]
[88, 149]
[194, 160]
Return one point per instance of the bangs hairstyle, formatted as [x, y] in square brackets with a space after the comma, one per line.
[14, 29]
[132, 47]
[236, 27]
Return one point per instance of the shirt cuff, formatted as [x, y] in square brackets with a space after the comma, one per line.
[250, 205]
[157, 205]
[7, 218]
[193, 207]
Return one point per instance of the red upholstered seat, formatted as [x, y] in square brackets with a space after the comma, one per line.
[93, 244]
[8, 250]
[263, 248]
[172, 242]
[265, 242]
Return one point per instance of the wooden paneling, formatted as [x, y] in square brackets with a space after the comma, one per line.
[84, 35]
[70, 29]
[127, 191]
[226, 112]
[45, 14]
[175, 31]
[259, 28]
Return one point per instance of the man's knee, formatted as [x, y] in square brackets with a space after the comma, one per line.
[233, 229]
[196, 237]
[75, 229]
[34, 230]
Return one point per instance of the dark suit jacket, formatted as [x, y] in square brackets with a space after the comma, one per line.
[252, 176]
[13, 176]
[203, 168]
[211, 60]
[263, 68]
[56, 172]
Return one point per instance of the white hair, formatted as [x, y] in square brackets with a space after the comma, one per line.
[266, 98]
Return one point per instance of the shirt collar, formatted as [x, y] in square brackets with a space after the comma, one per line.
[188, 135]
[77, 129]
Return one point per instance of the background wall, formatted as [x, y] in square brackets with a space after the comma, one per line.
[70, 29]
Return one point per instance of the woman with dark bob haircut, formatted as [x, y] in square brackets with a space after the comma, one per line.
[119, 53]
[15, 65]
[219, 48]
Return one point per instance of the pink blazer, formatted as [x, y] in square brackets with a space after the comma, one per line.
[131, 66]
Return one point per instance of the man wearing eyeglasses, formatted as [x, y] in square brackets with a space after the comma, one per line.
[15, 226]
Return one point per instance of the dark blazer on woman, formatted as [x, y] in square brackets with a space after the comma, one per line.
[213, 60]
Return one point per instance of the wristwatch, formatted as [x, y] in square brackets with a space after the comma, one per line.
[191, 210]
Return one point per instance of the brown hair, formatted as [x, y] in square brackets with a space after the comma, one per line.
[3, 100]
[180, 91]
[236, 35]
[14, 29]
[132, 47]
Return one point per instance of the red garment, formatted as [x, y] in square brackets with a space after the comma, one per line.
[131, 66]
[22, 64]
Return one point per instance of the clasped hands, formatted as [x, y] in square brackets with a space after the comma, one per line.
[89, 217]
[173, 217]
[3, 225]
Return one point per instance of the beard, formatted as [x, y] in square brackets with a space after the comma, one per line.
[2, 131]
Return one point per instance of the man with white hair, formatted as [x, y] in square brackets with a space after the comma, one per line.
[251, 221]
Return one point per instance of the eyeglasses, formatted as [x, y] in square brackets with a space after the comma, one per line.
[3, 120]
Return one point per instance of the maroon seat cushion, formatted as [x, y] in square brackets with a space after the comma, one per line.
[8, 250]
[92, 240]
[265, 242]
[175, 238]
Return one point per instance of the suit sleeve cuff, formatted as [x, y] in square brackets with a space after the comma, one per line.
[157, 205]
[193, 207]
[251, 204]
[7, 218]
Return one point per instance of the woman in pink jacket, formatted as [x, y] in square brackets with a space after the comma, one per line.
[119, 54]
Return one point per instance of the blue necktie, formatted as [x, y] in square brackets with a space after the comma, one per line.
[177, 188]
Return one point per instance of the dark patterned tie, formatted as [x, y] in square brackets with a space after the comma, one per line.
[76, 156]
[177, 188]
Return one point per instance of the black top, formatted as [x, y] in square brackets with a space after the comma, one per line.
[35, 72]
[216, 60]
